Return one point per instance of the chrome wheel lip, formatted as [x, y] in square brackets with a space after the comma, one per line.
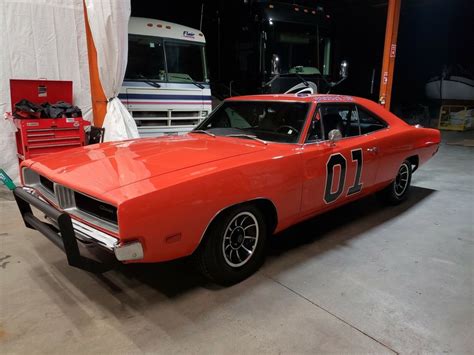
[243, 221]
[401, 181]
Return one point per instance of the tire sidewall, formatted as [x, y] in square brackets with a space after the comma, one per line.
[225, 272]
[393, 195]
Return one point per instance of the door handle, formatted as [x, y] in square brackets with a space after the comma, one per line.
[373, 150]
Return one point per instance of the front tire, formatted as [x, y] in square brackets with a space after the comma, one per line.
[234, 245]
[398, 190]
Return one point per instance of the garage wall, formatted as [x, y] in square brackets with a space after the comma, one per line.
[40, 39]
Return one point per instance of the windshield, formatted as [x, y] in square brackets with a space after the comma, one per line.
[146, 59]
[271, 121]
[296, 46]
[185, 61]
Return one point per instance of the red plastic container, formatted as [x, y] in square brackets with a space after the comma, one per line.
[41, 136]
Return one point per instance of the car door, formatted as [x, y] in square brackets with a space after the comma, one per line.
[387, 149]
[336, 172]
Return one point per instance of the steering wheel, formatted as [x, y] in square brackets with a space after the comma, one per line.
[295, 131]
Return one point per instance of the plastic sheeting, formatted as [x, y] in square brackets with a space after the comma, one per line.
[108, 21]
[40, 39]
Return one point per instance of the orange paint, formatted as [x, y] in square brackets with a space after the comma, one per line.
[389, 53]
[174, 186]
[99, 101]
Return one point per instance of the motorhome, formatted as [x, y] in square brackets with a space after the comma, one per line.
[270, 47]
[166, 86]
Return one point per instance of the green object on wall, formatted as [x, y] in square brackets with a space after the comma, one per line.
[6, 180]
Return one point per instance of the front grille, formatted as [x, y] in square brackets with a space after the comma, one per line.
[77, 204]
[184, 122]
[168, 119]
[185, 114]
[65, 197]
[96, 208]
[147, 114]
[47, 184]
[141, 123]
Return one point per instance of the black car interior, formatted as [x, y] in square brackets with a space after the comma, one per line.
[348, 119]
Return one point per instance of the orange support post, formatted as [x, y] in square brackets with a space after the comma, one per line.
[389, 53]
[99, 101]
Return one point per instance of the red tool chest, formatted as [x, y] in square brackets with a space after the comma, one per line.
[41, 136]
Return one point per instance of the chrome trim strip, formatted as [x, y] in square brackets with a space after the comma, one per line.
[74, 211]
[92, 234]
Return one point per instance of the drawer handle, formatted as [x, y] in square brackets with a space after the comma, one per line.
[53, 145]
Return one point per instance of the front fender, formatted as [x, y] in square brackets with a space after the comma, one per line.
[171, 213]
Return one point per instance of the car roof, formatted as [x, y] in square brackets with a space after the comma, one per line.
[372, 106]
[295, 97]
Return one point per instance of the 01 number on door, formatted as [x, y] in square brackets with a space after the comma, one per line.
[339, 160]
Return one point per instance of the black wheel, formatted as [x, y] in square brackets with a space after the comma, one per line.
[398, 190]
[234, 245]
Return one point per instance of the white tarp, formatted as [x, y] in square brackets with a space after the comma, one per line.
[40, 39]
[108, 20]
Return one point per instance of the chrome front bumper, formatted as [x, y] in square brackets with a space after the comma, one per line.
[123, 252]
[64, 232]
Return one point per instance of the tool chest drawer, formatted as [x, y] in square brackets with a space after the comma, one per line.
[43, 136]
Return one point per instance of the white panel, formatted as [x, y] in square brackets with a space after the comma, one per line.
[41, 39]
[108, 20]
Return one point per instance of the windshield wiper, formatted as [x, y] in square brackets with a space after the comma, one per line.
[203, 131]
[149, 81]
[276, 76]
[191, 80]
[249, 136]
[305, 83]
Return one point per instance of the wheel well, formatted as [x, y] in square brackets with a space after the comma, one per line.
[415, 161]
[269, 212]
[266, 206]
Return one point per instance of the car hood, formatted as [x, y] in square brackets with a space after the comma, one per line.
[104, 167]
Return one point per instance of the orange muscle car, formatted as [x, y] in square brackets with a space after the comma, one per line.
[255, 166]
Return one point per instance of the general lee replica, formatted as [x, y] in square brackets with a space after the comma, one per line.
[255, 166]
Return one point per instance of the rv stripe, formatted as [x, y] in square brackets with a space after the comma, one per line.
[163, 97]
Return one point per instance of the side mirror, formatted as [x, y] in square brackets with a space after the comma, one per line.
[275, 64]
[334, 135]
[344, 69]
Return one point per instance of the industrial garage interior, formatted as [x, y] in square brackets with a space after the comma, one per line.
[152, 209]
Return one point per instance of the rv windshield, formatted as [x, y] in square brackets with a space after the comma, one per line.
[146, 60]
[185, 61]
[296, 45]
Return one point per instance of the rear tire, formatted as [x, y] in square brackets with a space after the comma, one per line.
[398, 190]
[234, 245]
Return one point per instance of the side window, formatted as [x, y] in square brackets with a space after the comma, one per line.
[368, 122]
[315, 132]
[350, 120]
[340, 116]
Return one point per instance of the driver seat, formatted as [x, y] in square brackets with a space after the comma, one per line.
[332, 121]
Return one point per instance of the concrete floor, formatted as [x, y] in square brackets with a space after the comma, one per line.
[362, 279]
